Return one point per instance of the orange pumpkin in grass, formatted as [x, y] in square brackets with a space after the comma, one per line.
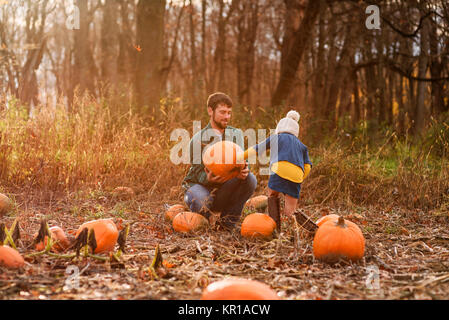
[333, 217]
[173, 211]
[189, 222]
[10, 258]
[238, 289]
[57, 234]
[338, 239]
[257, 225]
[257, 202]
[5, 204]
[106, 234]
[221, 159]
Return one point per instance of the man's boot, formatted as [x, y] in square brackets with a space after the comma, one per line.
[274, 211]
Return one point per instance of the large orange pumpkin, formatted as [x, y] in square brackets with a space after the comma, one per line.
[221, 159]
[10, 258]
[189, 222]
[5, 204]
[57, 234]
[333, 217]
[173, 211]
[338, 239]
[257, 225]
[106, 234]
[257, 202]
[238, 289]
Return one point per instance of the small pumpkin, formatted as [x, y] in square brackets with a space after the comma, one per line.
[221, 159]
[257, 225]
[58, 235]
[257, 202]
[10, 258]
[106, 234]
[338, 239]
[173, 211]
[123, 193]
[5, 204]
[238, 289]
[189, 222]
[333, 217]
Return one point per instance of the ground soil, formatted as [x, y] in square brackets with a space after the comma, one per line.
[406, 256]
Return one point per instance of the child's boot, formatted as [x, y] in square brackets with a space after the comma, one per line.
[274, 211]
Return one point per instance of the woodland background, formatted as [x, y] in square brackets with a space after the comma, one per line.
[85, 107]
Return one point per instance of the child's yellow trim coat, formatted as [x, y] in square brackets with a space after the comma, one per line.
[284, 169]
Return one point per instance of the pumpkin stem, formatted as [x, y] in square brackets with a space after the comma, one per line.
[157, 262]
[2, 233]
[341, 221]
[6, 236]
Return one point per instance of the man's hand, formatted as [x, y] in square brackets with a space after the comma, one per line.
[213, 178]
[244, 172]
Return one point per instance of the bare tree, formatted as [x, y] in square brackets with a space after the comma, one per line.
[295, 53]
[150, 39]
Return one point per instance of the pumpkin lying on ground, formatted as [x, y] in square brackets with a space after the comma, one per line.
[258, 202]
[257, 225]
[341, 239]
[333, 217]
[60, 240]
[123, 193]
[221, 159]
[238, 289]
[5, 204]
[106, 234]
[189, 222]
[10, 258]
[173, 211]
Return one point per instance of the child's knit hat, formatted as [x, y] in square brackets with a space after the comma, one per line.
[289, 123]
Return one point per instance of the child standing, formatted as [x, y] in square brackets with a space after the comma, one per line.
[289, 165]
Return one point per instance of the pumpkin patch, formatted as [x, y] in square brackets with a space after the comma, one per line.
[257, 202]
[173, 211]
[322, 220]
[59, 238]
[5, 204]
[257, 225]
[185, 222]
[341, 239]
[238, 289]
[10, 258]
[106, 234]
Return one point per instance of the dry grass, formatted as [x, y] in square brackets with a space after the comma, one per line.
[103, 145]
[91, 149]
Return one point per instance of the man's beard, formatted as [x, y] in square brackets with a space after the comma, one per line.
[218, 124]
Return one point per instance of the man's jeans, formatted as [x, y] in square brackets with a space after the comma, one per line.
[228, 199]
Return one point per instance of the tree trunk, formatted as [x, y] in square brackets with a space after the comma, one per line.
[420, 113]
[28, 90]
[108, 43]
[218, 74]
[294, 55]
[401, 106]
[195, 80]
[247, 31]
[437, 104]
[318, 83]
[204, 77]
[357, 112]
[150, 38]
[127, 55]
[85, 69]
